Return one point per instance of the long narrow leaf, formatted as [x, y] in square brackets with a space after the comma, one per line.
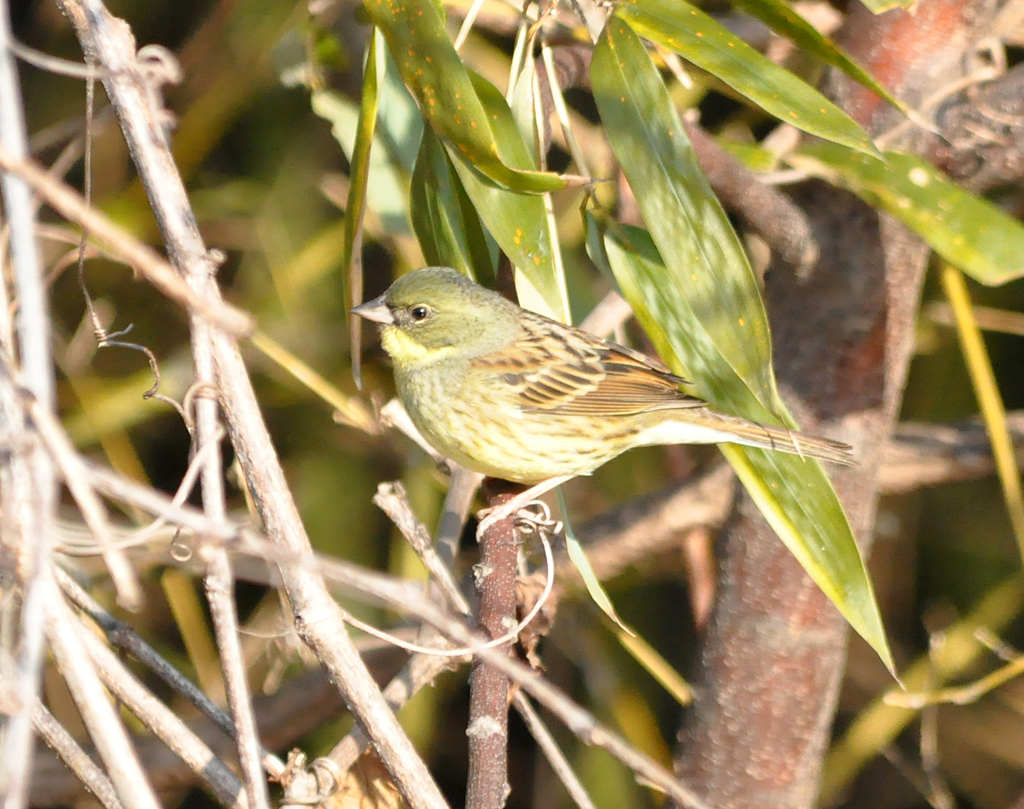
[680, 27]
[433, 71]
[966, 230]
[683, 214]
[782, 19]
[696, 296]
[993, 411]
[386, 196]
[355, 209]
[518, 222]
[879, 6]
[447, 225]
[792, 493]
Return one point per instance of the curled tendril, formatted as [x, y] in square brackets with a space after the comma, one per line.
[535, 518]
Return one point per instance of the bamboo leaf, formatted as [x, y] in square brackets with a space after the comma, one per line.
[433, 71]
[782, 19]
[683, 212]
[446, 224]
[694, 293]
[966, 230]
[879, 6]
[517, 222]
[355, 208]
[680, 27]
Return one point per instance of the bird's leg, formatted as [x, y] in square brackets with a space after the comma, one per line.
[489, 516]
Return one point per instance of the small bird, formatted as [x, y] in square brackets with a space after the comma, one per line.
[518, 396]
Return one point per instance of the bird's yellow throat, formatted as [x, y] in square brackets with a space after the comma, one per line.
[404, 349]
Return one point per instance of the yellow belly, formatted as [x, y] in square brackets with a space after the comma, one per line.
[482, 430]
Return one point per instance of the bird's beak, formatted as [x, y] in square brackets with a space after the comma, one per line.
[375, 310]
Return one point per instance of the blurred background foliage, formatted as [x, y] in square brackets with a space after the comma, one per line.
[269, 181]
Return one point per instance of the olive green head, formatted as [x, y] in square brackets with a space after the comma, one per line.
[433, 313]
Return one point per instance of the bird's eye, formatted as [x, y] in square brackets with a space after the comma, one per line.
[419, 312]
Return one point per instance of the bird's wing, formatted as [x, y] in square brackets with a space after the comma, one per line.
[560, 370]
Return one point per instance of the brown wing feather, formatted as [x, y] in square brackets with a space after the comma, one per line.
[561, 370]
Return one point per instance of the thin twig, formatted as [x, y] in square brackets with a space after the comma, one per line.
[30, 498]
[162, 721]
[133, 91]
[455, 512]
[72, 467]
[405, 596]
[74, 757]
[552, 752]
[100, 717]
[139, 256]
[421, 670]
[33, 318]
[408, 596]
[300, 707]
[126, 639]
[921, 455]
[219, 581]
[317, 616]
[392, 500]
[526, 522]
[418, 673]
[219, 584]
[880, 723]
[54, 64]
[938, 794]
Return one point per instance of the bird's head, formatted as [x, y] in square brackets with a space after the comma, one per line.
[435, 313]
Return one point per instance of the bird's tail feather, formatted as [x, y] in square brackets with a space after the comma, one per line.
[752, 434]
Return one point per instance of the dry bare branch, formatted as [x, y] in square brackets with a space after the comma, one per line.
[318, 618]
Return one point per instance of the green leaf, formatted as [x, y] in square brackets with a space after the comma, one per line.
[694, 293]
[641, 651]
[968, 231]
[680, 207]
[526, 114]
[752, 155]
[359, 158]
[521, 104]
[433, 71]
[782, 19]
[680, 27]
[578, 557]
[878, 6]
[518, 222]
[701, 332]
[387, 195]
[400, 124]
[654, 664]
[397, 131]
[355, 207]
[798, 501]
[446, 224]
[793, 493]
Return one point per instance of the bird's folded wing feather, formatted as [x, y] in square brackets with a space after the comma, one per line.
[557, 369]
